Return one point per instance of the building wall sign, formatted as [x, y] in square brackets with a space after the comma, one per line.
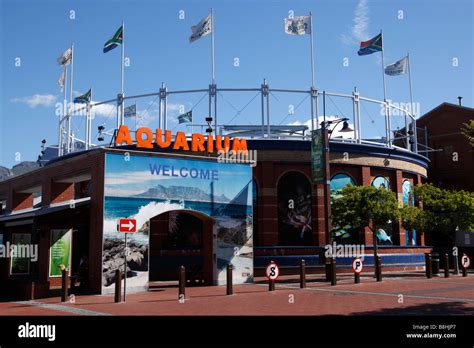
[146, 138]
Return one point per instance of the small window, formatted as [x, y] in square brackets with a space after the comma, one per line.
[381, 181]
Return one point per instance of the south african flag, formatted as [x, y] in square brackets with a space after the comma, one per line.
[371, 46]
[114, 41]
[84, 99]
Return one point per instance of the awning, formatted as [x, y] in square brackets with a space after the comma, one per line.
[35, 212]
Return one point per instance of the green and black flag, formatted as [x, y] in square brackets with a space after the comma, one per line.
[187, 117]
[116, 40]
[84, 99]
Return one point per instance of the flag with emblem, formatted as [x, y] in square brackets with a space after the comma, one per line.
[130, 111]
[398, 68]
[187, 117]
[62, 79]
[116, 40]
[84, 99]
[65, 57]
[298, 25]
[201, 29]
[371, 46]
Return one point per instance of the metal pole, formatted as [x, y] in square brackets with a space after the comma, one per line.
[125, 269]
[302, 274]
[379, 268]
[312, 109]
[354, 113]
[311, 39]
[359, 129]
[122, 78]
[263, 107]
[118, 286]
[333, 271]
[63, 285]
[229, 280]
[387, 129]
[63, 117]
[69, 143]
[212, 44]
[181, 282]
[268, 113]
[356, 278]
[165, 109]
[428, 266]
[446, 265]
[215, 110]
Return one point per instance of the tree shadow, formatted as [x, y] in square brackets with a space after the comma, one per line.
[443, 308]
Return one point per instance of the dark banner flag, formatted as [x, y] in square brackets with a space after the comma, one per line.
[317, 152]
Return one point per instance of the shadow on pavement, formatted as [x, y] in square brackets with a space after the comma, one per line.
[444, 308]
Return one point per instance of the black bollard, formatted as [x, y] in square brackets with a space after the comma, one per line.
[118, 286]
[182, 282]
[302, 274]
[446, 266]
[271, 285]
[63, 285]
[229, 280]
[356, 278]
[333, 271]
[464, 271]
[328, 269]
[428, 266]
[379, 268]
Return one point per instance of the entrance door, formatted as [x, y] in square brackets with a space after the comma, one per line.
[182, 238]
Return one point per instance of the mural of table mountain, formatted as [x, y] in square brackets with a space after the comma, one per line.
[181, 192]
[137, 259]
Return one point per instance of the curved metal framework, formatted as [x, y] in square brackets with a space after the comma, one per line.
[265, 130]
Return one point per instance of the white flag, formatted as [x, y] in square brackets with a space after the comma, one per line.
[201, 29]
[62, 79]
[65, 58]
[397, 68]
[298, 25]
[130, 111]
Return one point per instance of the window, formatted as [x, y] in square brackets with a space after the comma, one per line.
[345, 234]
[409, 199]
[294, 210]
[380, 181]
[384, 234]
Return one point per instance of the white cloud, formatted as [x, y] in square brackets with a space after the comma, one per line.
[105, 110]
[37, 99]
[336, 131]
[359, 31]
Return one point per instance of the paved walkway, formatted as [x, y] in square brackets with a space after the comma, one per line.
[408, 294]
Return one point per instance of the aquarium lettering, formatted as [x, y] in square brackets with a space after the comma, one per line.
[184, 172]
[146, 138]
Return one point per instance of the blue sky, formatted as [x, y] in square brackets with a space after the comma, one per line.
[438, 35]
[129, 178]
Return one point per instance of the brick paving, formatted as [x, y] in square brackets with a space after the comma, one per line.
[409, 294]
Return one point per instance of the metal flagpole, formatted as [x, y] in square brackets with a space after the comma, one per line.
[387, 125]
[212, 44]
[62, 117]
[69, 143]
[313, 99]
[122, 71]
[415, 137]
[88, 123]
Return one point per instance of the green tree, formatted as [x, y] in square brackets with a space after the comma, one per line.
[365, 206]
[446, 210]
[413, 218]
[468, 131]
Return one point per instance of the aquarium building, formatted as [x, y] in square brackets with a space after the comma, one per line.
[194, 210]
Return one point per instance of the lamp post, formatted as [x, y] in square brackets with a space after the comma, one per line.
[326, 133]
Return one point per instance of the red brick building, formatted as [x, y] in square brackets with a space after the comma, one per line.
[72, 196]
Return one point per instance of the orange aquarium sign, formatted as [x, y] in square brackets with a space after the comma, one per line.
[146, 138]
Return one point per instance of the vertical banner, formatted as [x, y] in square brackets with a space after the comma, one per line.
[59, 251]
[317, 153]
[19, 264]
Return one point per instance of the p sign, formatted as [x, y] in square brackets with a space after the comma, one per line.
[465, 261]
[272, 271]
[357, 265]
